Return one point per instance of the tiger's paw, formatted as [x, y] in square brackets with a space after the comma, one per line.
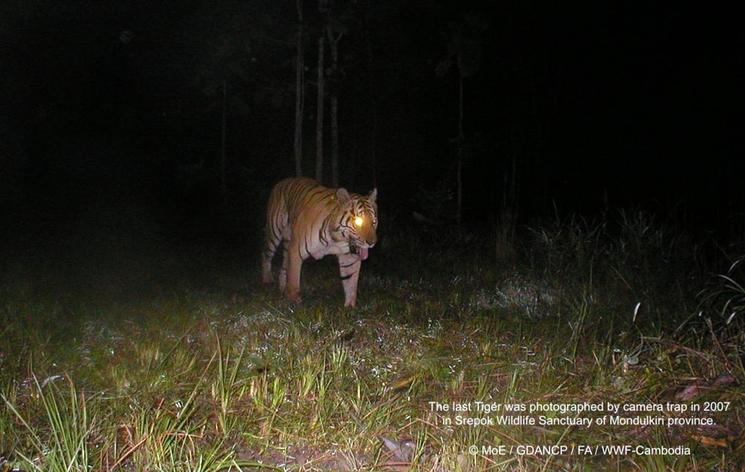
[294, 297]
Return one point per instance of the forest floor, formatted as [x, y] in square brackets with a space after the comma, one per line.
[463, 354]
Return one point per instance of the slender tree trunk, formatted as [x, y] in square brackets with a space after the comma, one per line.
[351, 160]
[334, 46]
[373, 110]
[510, 200]
[299, 92]
[223, 144]
[334, 141]
[513, 189]
[459, 172]
[319, 110]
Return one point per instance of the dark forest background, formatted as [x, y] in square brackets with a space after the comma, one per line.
[138, 124]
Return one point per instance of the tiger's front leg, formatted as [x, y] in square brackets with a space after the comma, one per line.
[294, 263]
[283, 271]
[349, 269]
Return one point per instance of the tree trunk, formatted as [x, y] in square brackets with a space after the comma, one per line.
[510, 199]
[334, 45]
[299, 92]
[350, 161]
[334, 141]
[459, 172]
[223, 144]
[319, 110]
[373, 110]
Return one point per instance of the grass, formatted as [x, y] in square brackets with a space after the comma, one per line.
[228, 376]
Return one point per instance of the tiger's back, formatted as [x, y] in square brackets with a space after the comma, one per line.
[291, 196]
[311, 220]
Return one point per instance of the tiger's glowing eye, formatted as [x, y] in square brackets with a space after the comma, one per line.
[358, 221]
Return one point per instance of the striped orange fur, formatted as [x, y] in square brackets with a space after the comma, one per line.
[310, 220]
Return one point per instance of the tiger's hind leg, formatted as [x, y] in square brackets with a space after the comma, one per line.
[349, 270]
[276, 225]
[270, 248]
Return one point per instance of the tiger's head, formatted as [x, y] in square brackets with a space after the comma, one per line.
[358, 221]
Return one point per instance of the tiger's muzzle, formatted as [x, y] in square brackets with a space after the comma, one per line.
[361, 248]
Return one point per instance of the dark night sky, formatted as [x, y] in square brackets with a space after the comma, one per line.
[116, 104]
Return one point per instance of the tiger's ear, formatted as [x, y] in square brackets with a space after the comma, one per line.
[342, 195]
[373, 195]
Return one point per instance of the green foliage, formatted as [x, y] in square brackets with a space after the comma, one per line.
[724, 295]
[191, 380]
[63, 441]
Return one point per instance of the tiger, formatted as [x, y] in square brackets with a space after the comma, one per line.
[311, 220]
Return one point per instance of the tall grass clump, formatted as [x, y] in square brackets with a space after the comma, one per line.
[566, 246]
[61, 441]
[227, 389]
[723, 302]
[633, 257]
[726, 293]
